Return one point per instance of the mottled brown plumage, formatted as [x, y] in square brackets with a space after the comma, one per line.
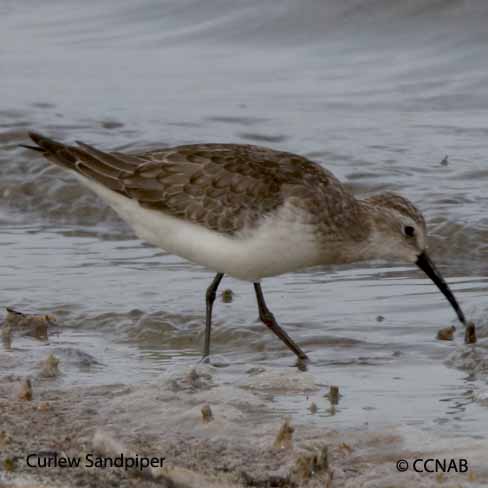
[224, 187]
[399, 204]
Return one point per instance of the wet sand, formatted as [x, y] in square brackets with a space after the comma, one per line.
[247, 440]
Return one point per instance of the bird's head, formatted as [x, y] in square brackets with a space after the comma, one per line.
[398, 228]
[398, 233]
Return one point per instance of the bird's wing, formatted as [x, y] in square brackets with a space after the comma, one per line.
[224, 187]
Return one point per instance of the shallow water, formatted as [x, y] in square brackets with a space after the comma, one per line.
[377, 91]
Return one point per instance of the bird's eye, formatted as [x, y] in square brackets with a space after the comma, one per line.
[409, 231]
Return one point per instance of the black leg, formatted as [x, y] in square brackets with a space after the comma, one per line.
[268, 319]
[209, 300]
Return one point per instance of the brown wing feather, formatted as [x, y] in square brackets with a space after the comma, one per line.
[224, 187]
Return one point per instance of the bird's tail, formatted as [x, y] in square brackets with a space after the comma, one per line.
[54, 151]
[106, 168]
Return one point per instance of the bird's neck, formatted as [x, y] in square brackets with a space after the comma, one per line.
[352, 241]
[376, 223]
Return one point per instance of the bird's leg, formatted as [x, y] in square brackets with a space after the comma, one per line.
[268, 319]
[209, 300]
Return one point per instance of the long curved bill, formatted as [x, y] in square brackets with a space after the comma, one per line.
[427, 266]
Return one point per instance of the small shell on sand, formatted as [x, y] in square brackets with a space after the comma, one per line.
[344, 446]
[25, 390]
[49, 367]
[284, 438]
[446, 334]
[43, 407]
[470, 333]
[207, 414]
[333, 395]
[227, 296]
[472, 476]
[5, 439]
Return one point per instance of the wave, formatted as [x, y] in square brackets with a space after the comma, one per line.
[380, 90]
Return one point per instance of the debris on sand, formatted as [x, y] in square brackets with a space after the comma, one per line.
[5, 439]
[284, 438]
[29, 324]
[25, 390]
[207, 414]
[43, 407]
[49, 367]
[8, 465]
[333, 395]
[310, 464]
[345, 447]
[470, 333]
[228, 296]
[446, 334]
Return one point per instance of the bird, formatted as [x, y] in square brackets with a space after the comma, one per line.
[249, 212]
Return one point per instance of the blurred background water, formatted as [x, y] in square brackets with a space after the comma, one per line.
[380, 92]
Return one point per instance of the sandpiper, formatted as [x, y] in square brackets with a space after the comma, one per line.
[249, 212]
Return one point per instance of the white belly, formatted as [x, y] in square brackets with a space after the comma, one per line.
[277, 246]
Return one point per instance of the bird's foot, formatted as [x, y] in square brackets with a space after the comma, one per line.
[302, 362]
[216, 362]
[204, 360]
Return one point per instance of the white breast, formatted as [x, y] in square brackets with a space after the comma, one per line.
[280, 244]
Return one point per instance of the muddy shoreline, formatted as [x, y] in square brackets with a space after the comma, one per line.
[238, 446]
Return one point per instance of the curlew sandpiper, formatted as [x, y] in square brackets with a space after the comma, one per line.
[249, 212]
